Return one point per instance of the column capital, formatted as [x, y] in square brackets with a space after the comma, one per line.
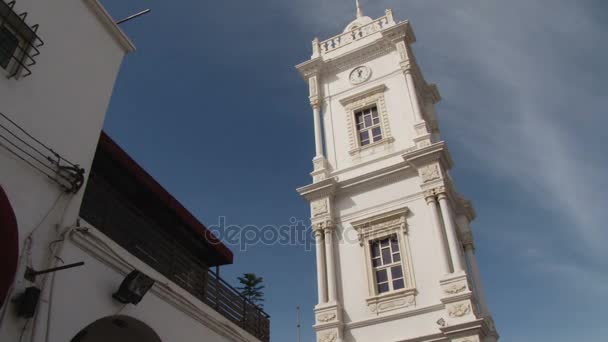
[429, 196]
[315, 103]
[441, 191]
[322, 226]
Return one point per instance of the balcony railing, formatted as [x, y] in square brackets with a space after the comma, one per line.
[358, 33]
[173, 255]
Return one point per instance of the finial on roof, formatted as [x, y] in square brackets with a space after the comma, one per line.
[359, 10]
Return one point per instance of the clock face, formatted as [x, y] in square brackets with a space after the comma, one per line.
[360, 74]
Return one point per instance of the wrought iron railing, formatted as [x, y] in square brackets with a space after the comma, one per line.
[169, 253]
[25, 52]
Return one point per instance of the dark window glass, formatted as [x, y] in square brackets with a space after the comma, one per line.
[395, 245]
[398, 284]
[381, 276]
[375, 249]
[396, 257]
[383, 288]
[8, 46]
[396, 272]
[386, 256]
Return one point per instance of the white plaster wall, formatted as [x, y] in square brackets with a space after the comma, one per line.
[83, 295]
[63, 104]
[336, 86]
[352, 278]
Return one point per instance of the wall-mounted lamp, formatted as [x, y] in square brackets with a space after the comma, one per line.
[133, 288]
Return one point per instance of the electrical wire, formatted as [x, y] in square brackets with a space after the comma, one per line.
[36, 140]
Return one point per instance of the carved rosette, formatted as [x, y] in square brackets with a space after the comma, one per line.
[330, 336]
[459, 309]
[326, 317]
[319, 207]
[429, 173]
[455, 289]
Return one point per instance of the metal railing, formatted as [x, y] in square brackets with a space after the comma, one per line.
[169, 253]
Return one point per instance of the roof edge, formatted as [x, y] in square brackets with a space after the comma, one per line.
[108, 22]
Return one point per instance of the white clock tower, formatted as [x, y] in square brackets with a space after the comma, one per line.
[394, 249]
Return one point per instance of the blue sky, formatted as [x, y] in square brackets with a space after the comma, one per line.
[212, 107]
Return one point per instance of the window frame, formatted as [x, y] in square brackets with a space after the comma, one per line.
[379, 227]
[362, 112]
[360, 101]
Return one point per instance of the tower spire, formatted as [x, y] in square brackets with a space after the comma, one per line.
[359, 10]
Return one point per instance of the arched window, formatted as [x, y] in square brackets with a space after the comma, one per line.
[9, 246]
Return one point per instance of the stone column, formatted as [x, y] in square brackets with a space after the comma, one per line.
[316, 108]
[321, 278]
[469, 249]
[331, 267]
[411, 86]
[443, 249]
[450, 230]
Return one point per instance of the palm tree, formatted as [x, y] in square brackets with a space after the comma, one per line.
[252, 288]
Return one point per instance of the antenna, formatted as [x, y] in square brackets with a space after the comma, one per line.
[133, 16]
[298, 323]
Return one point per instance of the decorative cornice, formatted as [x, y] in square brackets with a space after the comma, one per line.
[326, 187]
[434, 152]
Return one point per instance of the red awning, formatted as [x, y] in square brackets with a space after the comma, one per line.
[9, 246]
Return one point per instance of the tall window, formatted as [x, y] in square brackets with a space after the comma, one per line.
[386, 262]
[8, 46]
[368, 125]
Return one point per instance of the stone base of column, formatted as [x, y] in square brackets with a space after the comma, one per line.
[320, 169]
[423, 135]
[328, 322]
[460, 303]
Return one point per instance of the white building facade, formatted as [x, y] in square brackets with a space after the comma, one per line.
[58, 64]
[394, 248]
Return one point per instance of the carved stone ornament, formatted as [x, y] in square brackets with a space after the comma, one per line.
[328, 337]
[323, 225]
[319, 207]
[326, 317]
[459, 310]
[454, 289]
[393, 304]
[430, 173]
[467, 239]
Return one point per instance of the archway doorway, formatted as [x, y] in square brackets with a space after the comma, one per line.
[117, 329]
[9, 246]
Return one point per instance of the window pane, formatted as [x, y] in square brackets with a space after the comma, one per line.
[396, 272]
[375, 249]
[386, 256]
[384, 243]
[381, 276]
[364, 142]
[396, 257]
[374, 111]
[376, 121]
[8, 45]
[376, 262]
[364, 135]
[359, 116]
[368, 121]
[398, 284]
[395, 244]
[377, 133]
[383, 288]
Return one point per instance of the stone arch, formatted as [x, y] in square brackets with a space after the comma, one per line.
[117, 328]
[9, 246]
